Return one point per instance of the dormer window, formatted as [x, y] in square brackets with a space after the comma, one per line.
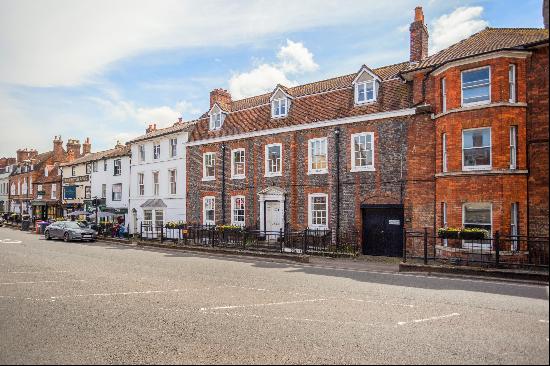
[365, 92]
[366, 86]
[279, 107]
[216, 118]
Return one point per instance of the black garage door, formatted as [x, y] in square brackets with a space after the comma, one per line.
[382, 230]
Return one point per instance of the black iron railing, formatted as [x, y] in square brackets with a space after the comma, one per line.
[309, 241]
[504, 251]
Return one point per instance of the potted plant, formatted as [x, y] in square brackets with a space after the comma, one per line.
[448, 233]
[473, 233]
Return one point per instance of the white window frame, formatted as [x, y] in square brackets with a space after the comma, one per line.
[141, 184]
[234, 175]
[513, 147]
[38, 189]
[204, 209]
[53, 191]
[156, 218]
[156, 183]
[105, 165]
[363, 84]
[156, 150]
[173, 183]
[87, 192]
[310, 156]
[473, 244]
[276, 106]
[444, 95]
[147, 222]
[512, 77]
[444, 152]
[310, 198]
[173, 143]
[141, 153]
[117, 163]
[216, 118]
[462, 88]
[113, 192]
[479, 167]
[355, 168]
[234, 209]
[204, 170]
[104, 191]
[267, 161]
[95, 166]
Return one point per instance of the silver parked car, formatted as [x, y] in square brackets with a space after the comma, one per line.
[69, 230]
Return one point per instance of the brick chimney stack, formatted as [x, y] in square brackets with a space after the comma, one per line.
[58, 151]
[86, 147]
[33, 153]
[22, 154]
[73, 148]
[118, 145]
[419, 37]
[151, 128]
[222, 97]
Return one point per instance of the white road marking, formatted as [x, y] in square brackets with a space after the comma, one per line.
[9, 241]
[429, 319]
[53, 298]
[260, 305]
[34, 272]
[543, 321]
[35, 282]
[382, 303]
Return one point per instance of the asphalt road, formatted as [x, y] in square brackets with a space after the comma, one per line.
[98, 303]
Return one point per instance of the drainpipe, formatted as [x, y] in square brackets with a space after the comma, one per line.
[223, 184]
[337, 152]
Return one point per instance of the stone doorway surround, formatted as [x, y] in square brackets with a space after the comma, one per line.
[271, 194]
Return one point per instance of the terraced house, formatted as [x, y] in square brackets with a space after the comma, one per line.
[456, 138]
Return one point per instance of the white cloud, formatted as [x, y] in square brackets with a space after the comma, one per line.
[67, 42]
[456, 26]
[294, 58]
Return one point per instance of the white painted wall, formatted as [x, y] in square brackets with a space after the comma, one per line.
[108, 178]
[176, 203]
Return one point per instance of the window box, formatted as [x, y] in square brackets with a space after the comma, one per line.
[448, 233]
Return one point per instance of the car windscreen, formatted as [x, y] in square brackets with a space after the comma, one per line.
[73, 225]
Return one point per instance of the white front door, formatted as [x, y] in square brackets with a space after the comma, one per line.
[273, 216]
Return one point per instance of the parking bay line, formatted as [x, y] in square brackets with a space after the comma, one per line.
[429, 319]
[260, 305]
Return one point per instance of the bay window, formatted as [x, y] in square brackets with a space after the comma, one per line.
[476, 86]
[477, 215]
[476, 149]
[512, 83]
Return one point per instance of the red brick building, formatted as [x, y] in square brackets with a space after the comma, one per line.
[458, 138]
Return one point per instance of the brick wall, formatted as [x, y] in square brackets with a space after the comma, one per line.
[537, 141]
[388, 184]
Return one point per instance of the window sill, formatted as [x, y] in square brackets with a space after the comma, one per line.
[474, 104]
[317, 172]
[477, 168]
[238, 177]
[208, 179]
[271, 175]
[367, 102]
[365, 169]
[279, 117]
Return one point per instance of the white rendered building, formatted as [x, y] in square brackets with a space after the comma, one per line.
[158, 176]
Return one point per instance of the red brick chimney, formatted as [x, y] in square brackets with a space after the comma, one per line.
[73, 147]
[151, 128]
[58, 152]
[419, 37]
[222, 97]
[22, 154]
[86, 147]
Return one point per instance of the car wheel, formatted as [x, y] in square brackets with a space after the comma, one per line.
[66, 237]
[48, 237]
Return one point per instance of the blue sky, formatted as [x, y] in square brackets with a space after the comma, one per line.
[105, 70]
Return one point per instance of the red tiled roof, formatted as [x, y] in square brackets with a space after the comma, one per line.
[487, 40]
[106, 154]
[329, 99]
[176, 127]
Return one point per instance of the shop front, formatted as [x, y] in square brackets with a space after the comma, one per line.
[46, 209]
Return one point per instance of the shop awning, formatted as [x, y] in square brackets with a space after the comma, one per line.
[153, 203]
[43, 203]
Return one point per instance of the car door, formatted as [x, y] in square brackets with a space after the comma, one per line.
[59, 230]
